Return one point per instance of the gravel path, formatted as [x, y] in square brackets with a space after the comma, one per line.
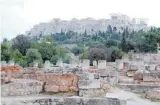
[132, 99]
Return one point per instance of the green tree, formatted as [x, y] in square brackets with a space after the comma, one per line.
[109, 29]
[17, 56]
[46, 50]
[77, 50]
[21, 43]
[151, 42]
[5, 52]
[84, 55]
[61, 52]
[48, 39]
[97, 53]
[110, 43]
[32, 56]
[54, 59]
[123, 42]
[66, 59]
[116, 54]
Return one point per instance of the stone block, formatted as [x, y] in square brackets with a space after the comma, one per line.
[133, 67]
[63, 88]
[153, 94]
[138, 88]
[157, 68]
[102, 64]
[131, 73]
[138, 75]
[21, 87]
[51, 88]
[96, 76]
[152, 76]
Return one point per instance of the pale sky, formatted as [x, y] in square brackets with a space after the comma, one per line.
[18, 16]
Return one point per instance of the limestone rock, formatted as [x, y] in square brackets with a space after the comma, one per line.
[61, 83]
[138, 75]
[63, 89]
[19, 87]
[131, 73]
[157, 68]
[153, 94]
[51, 88]
[152, 76]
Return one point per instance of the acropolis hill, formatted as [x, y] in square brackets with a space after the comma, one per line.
[89, 25]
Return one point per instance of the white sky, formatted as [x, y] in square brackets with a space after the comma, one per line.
[18, 16]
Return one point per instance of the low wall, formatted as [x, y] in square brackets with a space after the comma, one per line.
[153, 94]
[92, 92]
[21, 87]
[52, 82]
[60, 83]
[66, 101]
[138, 88]
[153, 76]
[56, 83]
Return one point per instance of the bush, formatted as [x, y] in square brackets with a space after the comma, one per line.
[54, 59]
[66, 59]
[84, 55]
[23, 63]
[116, 53]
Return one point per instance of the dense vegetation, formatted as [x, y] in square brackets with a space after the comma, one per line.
[108, 45]
[26, 51]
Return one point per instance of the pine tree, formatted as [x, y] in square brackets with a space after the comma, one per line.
[109, 29]
[123, 42]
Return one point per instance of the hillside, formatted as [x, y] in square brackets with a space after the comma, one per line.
[89, 25]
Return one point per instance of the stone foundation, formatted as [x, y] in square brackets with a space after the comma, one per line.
[153, 94]
[21, 87]
[98, 92]
[138, 88]
[53, 82]
[66, 101]
[152, 76]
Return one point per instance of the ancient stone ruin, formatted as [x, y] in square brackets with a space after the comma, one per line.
[65, 84]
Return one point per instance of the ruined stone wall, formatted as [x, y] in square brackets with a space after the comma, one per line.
[7, 71]
[52, 82]
[93, 92]
[21, 87]
[152, 76]
[153, 94]
[60, 83]
[56, 83]
[67, 101]
[138, 88]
